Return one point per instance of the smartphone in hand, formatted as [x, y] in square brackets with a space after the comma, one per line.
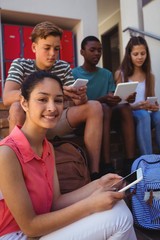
[152, 100]
[128, 181]
[80, 82]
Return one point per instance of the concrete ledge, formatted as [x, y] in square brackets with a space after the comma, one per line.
[2, 107]
[4, 132]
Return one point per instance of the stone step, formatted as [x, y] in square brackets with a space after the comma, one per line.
[4, 132]
[143, 234]
[3, 110]
[4, 124]
[2, 107]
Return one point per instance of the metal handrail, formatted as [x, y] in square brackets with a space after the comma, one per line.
[133, 30]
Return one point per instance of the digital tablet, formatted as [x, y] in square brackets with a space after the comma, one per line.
[123, 90]
[128, 181]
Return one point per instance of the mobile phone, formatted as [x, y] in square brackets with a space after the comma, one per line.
[80, 82]
[152, 100]
[128, 181]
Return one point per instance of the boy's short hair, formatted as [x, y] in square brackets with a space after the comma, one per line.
[45, 29]
[88, 39]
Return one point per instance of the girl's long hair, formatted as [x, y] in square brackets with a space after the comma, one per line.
[127, 67]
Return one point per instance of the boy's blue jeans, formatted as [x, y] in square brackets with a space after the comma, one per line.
[145, 121]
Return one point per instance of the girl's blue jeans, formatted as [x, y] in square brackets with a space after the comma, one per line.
[145, 121]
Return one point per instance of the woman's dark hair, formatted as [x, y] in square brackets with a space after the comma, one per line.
[127, 66]
[33, 79]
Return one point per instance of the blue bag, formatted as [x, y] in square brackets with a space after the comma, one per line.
[146, 193]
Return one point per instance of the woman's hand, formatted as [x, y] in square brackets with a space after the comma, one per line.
[104, 197]
[153, 107]
[105, 200]
[140, 105]
[108, 180]
[146, 106]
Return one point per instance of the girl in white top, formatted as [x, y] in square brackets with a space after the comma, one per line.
[136, 66]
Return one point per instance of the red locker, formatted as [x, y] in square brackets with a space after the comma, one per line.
[0, 88]
[67, 47]
[7, 66]
[27, 51]
[12, 43]
[0, 84]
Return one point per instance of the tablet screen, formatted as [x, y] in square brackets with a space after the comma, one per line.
[123, 90]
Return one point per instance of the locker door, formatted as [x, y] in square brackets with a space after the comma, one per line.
[27, 51]
[7, 66]
[0, 88]
[0, 84]
[12, 43]
[67, 47]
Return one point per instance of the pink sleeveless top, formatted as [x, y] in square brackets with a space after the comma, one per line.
[38, 176]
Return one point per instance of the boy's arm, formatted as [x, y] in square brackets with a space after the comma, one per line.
[78, 96]
[11, 93]
[13, 81]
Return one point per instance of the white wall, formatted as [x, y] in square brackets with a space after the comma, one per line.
[84, 11]
[129, 18]
[60, 8]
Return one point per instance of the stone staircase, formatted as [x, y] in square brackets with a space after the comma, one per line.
[3, 120]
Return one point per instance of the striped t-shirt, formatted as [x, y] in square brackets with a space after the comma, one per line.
[21, 68]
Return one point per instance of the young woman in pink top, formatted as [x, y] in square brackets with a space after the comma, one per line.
[31, 204]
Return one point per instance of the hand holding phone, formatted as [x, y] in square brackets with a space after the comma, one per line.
[80, 82]
[128, 181]
[152, 100]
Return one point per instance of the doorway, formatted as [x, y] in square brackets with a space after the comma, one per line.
[111, 53]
